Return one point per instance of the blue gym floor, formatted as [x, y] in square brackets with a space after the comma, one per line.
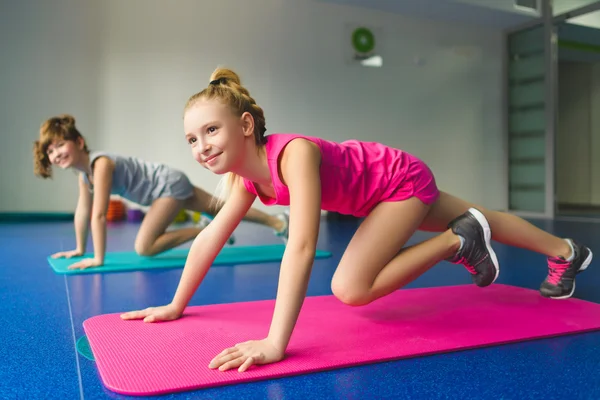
[42, 315]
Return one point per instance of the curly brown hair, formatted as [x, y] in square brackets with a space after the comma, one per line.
[61, 127]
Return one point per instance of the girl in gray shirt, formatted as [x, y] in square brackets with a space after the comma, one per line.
[166, 191]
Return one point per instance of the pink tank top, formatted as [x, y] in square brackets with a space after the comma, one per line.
[355, 176]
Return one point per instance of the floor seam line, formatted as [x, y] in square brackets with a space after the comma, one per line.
[74, 340]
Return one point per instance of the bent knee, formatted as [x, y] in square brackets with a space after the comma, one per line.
[351, 294]
[144, 248]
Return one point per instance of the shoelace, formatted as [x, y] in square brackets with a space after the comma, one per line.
[556, 269]
[471, 268]
[468, 266]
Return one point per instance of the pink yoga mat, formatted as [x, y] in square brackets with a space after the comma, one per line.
[137, 358]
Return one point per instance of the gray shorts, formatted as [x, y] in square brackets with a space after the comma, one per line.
[173, 183]
[143, 182]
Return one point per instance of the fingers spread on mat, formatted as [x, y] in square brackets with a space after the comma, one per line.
[244, 355]
[154, 314]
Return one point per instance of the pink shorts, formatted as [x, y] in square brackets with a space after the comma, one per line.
[418, 182]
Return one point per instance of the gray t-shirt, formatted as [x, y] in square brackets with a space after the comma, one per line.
[142, 182]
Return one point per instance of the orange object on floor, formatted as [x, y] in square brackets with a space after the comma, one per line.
[116, 210]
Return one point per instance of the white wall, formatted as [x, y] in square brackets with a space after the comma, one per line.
[578, 134]
[131, 82]
[50, 62]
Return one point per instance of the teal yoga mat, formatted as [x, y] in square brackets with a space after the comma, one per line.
[130, 261]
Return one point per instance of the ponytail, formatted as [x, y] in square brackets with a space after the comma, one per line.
[225, 86]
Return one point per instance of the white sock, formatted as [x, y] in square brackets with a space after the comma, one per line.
[462, 242]
[572, 250]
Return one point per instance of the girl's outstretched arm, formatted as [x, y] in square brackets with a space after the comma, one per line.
[202, 254]
[82, 215]
[300, 165]
[210, 241]
[81, 222]
[103, 170]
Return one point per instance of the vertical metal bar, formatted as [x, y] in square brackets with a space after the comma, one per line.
[506, 116]
[550, 62]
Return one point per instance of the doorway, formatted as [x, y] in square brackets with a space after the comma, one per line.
[577, 149]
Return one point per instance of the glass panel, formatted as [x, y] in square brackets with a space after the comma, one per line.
[527, 175]
[528, 148]
[527, 201]
[527, 68]
[528, 41]
[527, 94]
[527, 120]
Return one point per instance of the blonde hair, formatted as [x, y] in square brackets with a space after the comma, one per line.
[226, 87]
[61, 127]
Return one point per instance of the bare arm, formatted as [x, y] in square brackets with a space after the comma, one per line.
[305, 216]
[209, 243]
[81, 223]
[300, 166]
[202, 254]
[103, 170]
[82, 215]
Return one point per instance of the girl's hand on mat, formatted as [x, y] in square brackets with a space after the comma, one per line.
[154, 314]
[86, 263]
[243, 355]
[67, 254]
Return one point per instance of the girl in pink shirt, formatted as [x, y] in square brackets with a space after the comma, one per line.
[395, 192]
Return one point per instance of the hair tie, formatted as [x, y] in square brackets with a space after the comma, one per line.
[218, 81]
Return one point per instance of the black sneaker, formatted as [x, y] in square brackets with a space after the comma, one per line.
[560, 282]
[476, 253]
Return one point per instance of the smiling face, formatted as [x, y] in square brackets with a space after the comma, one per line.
[218, 138]
[60, 144]
[64, 153]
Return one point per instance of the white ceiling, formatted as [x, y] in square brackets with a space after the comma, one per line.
[498, 14]
[563, 6]
[591, 20]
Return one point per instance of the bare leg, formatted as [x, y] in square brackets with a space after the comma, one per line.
[564, 261]
[202, 201]
[152, 238]
[374, 264]
[506, 228]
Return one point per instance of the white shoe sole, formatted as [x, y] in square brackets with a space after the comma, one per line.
[487, 232]
[584, 266]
